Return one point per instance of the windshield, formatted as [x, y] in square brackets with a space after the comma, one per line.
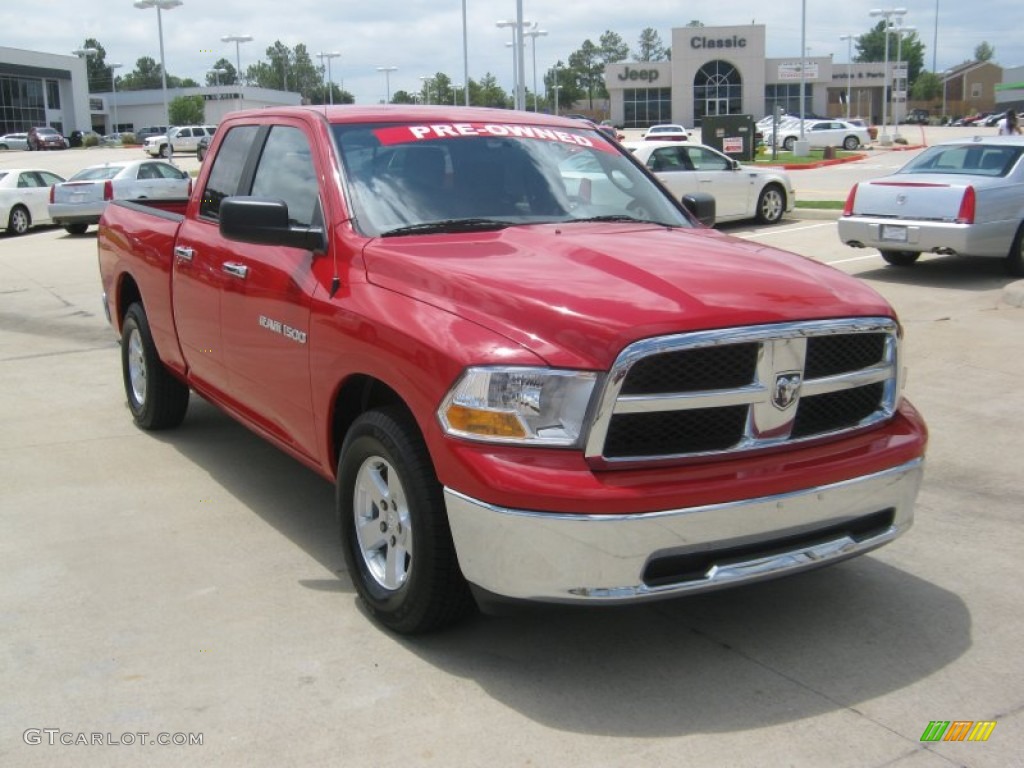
[97, 173]
[972, 159]
[405, 178]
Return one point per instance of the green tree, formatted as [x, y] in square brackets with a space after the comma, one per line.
[146, 75]
[487, 93]
[650, 46]
[100, 76]
[569, 90]
[227, 76]
[871, 47]
[402, 97]
[984, 52]
[926, 87]
[612, 48]
[186, 110]
[588, 69]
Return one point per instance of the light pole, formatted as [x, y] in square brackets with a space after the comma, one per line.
[387, 81]
[465, 53]
[113, 85]
[216, 72]
[849, 71]
[238, 40]
[161, 5]
[455, 94]
[887, 14]
[534, 34]
[901, 82]
[330, 80]
[426, 88]
[518, 69]
[556, 87]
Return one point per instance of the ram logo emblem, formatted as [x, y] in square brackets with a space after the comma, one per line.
[786, 390]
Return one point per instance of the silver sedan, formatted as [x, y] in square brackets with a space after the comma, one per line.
[740, 191]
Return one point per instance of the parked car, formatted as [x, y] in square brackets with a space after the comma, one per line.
[992, 120]
[666, 132]
[24, 193]
[916, 117]
[203, 147]
[45, 137]
[740, 192]
[957, 197]
[154, 130]
[181, 139]
[823, 133]
[79, 201]
[860, 122]
[112, 140]
[14, 141]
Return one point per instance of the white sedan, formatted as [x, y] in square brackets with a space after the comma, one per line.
[823, 133]
[80, 200]
[740, 191]
[666, 132]
[24, 193]
[14, 141]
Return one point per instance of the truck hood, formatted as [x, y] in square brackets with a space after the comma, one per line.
[576, 294]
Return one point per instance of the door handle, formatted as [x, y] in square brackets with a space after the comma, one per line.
[183, 253]
[234, 268]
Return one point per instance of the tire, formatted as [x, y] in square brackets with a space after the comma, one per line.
[771, 204]
[788, 143]
[200, 154]
[76, 229]
[901, 258]
[156, 399]
[850, 143]
[19, 221]
[1015, 259]
[163, 150]
[394, 526]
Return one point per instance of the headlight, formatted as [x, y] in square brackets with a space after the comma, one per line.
[531, 406]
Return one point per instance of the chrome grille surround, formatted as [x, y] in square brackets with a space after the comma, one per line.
[771, 398]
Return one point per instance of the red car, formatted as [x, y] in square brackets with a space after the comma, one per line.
[45, 137]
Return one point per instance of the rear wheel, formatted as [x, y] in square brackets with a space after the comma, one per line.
[851, 143]
[156, 399]
[1015, 261]
[788, 143]
[163, 150]
[19, 221]
[771, 204]
[901, 258]
[76, 229]
[394, 526]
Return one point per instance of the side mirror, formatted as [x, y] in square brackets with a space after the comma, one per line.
[701, 206]
[264, 221]
[736, 165]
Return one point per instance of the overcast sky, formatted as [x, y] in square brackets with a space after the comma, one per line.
[422, 37]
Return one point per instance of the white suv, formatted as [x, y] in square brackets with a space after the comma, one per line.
[183, 138]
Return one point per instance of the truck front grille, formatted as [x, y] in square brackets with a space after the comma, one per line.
[745, 389]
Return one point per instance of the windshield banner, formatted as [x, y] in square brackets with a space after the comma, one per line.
[406, 134]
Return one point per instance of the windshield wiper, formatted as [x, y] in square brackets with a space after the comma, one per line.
[448, 225]
[616, 217]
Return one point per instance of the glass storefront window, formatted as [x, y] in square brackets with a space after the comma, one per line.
[644, 107]
[21, 104]
[717, 90]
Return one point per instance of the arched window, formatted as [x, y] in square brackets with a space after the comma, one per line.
[717, 90]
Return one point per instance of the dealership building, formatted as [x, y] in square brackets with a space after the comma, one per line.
[724, 71]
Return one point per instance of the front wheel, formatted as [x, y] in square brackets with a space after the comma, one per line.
[850, 143]
[156, 399]
[163, 151]
[771, 204]
[19, 221]
[900, 258]
[394, 526]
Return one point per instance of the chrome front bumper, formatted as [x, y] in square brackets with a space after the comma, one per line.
[611, 558]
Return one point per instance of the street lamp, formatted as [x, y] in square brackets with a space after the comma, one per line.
[113, 85]
[238, 40]
[534, 34]
[160, 5]
[887, 14]
[387, 81]
[216, 72]
[518, 69]
[85, 53]
[330, 80]
[455, 94]
[426, 88]
[849, 70]
[465, 53]
[900, 30]
[556, 87]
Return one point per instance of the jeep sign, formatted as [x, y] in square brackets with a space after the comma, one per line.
[650, 75]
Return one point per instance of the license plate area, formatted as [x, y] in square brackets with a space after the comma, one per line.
[893, 233]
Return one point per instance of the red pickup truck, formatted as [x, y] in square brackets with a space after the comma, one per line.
[531, 373]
